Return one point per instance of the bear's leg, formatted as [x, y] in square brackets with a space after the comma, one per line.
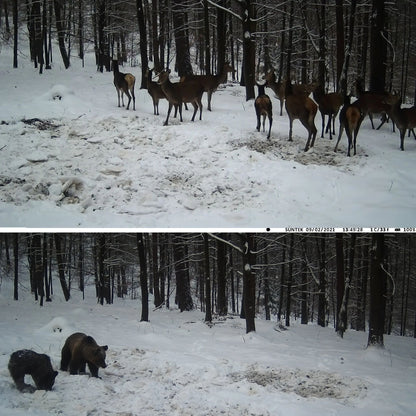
[93, 369]
[82, 367]
[19, 380]
[65, 357]
[73, 367]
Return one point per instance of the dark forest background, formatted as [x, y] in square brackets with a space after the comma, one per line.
[363, 282]
[333, 42]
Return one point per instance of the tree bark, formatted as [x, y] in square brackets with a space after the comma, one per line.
[16, 266]
[61, 34]
[378, 47]
[221, 267]
[15, 32]
[339, 17]
[322, 282]
[183, 58]
[155, 261]
[208, 306]
[249, 281]
[248, 12]
[221, 36]
[183, 290]
[289, 280]
[339, 247]
[143, 43]
[61, 267]
[377, 292]
[143, 278]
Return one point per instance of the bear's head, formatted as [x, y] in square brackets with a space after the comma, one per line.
[46, 381]
[99, 356]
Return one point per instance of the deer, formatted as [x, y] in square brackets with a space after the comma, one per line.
[404, 118]
[210, 82]
[124, 84]
[263, 106]
[350, 119]
[328, 104]
[372, 102]
[279, 88]
[300, 106]
[178, 93]
[155, 91]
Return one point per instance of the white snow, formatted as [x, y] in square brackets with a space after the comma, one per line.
[128, 170]
[177, 365]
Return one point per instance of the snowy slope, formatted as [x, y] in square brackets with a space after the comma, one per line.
[177, 365]
[92, 164]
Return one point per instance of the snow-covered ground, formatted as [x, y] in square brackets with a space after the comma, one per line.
[92, 164]
[176, 365]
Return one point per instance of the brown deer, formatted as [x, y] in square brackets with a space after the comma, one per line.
[328, 104]
[279, 88]
[300, 106]
[210, 82]
[404, 118]
[155, 91]
[372, 103]
[124, 84]
[178, 93]
[350, 119]
[263, 106]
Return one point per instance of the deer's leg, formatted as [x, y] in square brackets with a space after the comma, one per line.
[167, 117]
[209, 95]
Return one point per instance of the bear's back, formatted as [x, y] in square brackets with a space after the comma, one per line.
[29, 361]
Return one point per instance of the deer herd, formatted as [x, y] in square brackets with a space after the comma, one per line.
[298, 103]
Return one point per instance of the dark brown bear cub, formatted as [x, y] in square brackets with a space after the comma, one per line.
[81, 349]
[39, 366]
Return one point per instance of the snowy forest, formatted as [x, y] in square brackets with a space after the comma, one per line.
[85, 162]
[206, 323]
[329, 42]
[340, 280]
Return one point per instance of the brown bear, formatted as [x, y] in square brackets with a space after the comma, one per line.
[81, 349]
[39, 366]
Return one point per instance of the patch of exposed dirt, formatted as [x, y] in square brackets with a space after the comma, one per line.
[313, 383]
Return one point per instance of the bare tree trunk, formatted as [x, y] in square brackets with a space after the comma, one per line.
[156, 286]
[322, 281]
[207, 46]
[15, 32]
[61, 35]
[143, 43]
[208, 306]
[378, 292]
[143, 278]
[81, 31]
[249, 281]
[16, 266]
[183, 58]
[221, 267]
[183, 290]
[322, 44]
[45, 267]
[61, 265]
[339, 16]
[155, 35]
[221, 36]
[248, 14]
[339, 246]
[289, 280]
[378, 47]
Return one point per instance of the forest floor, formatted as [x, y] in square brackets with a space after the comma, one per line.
[177, 365]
